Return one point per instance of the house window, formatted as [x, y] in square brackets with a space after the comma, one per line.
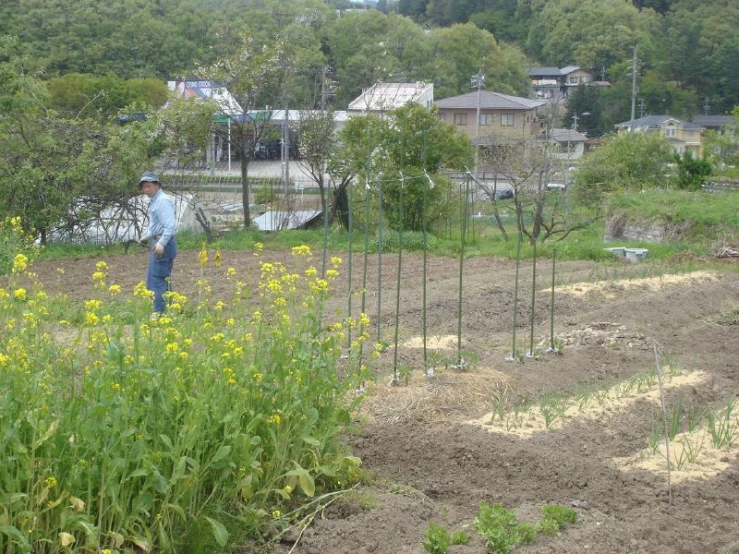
[442, 116]
[670, 131]
[506, 120]
[460, 119]
[486, 119]
[573, 80]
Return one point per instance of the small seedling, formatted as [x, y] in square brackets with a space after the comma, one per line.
[692, 449]
[654, 439]
[436, 539]
[723, 429]
[498, 528]
[460, 537]
[556, 517]
[675, 420]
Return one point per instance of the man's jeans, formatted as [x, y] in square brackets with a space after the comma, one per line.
[159, 272]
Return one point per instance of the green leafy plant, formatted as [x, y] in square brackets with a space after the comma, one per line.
[138, 434]
[556, 517]
[460, 537]
[436, 539]
[499, 528]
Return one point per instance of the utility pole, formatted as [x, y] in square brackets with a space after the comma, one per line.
[707, 105]
[633, 88]
[478, 81]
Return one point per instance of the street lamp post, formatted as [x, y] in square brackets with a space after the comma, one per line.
[477, 81]
[575, 118]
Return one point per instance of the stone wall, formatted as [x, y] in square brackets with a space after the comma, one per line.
[619, 228]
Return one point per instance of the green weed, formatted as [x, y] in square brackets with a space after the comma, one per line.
[437, 539]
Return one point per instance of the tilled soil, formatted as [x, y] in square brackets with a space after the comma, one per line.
[427, 462]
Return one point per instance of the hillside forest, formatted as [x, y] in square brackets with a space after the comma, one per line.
[98, 57]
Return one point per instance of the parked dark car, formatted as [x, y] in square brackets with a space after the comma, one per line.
[503, 194]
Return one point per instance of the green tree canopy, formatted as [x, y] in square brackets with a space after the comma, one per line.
[632, 161]
[399, 154]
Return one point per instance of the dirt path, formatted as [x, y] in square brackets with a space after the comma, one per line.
[431, 461]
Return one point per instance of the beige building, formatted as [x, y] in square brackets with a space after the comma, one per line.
[502, 116]
[682, 136]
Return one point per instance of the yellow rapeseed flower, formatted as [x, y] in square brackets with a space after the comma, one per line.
[230, 272]
[114, 289]
[50, 482]
[19, 294]
[141, 291]
[319, 285]
[302, 250]
[20, 263]
[203, 257]
[336, 261]
[218, 257]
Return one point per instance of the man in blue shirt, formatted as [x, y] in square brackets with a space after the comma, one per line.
[160, 237]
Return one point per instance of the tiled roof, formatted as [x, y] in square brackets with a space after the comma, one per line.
[567, 135]
[489, 101]
[654, 121]
[713, 120]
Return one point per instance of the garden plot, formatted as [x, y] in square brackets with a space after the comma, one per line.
[554, 412]
[430, 467]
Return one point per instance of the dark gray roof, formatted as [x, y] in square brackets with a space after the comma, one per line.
[569, 69]
[489, 101]
[567, 135]
[547, 71]
[654, 121]
[551, 71]
[713, 121]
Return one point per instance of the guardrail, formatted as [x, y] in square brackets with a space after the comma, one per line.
[727, 185]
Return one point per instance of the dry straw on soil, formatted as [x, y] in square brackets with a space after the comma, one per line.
[450, 395]
[611, 288]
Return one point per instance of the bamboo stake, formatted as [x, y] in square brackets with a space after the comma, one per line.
[530, 353]
[396, 375]
[460, 361]
[664, 419]
[513, 357]
[350, 225]
[379, 258]
[552, 348]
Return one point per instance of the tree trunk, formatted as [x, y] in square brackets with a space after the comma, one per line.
[245, 195]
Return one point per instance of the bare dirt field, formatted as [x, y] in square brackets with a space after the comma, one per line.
[437, 446]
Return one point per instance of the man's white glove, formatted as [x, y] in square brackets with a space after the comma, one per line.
[159, 250]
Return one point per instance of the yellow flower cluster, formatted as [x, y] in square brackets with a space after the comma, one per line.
[100, 274]
[20, 263]
[302, 250]
[141, 291]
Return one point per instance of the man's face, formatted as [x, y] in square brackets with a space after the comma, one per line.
[149, 189]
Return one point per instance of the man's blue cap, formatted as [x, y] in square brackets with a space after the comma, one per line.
[148, 177]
